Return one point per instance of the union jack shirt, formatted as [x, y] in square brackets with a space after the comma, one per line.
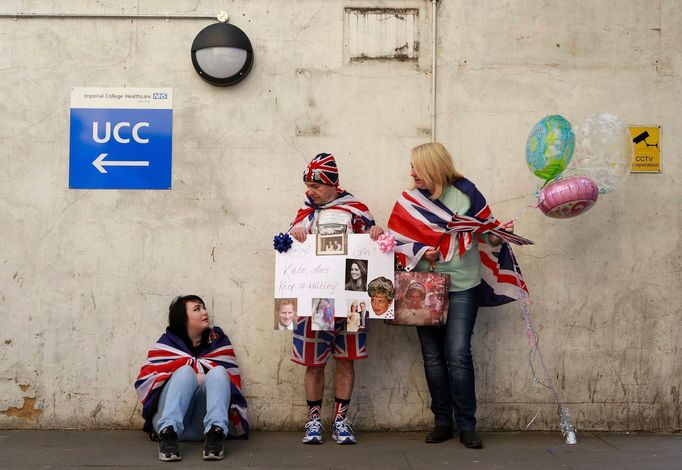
[169, 354]
[419, 222]
[361, 219]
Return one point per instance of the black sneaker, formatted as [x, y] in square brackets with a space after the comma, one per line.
[213, 449]
[169, 450]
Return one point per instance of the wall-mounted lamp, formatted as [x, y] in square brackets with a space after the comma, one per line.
[222, 53]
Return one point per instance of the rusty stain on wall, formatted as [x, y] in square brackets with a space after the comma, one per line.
[381, 34]
[27, 410]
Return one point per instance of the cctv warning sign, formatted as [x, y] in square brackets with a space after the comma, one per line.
[647, 149]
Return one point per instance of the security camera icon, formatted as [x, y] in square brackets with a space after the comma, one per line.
[642, 138]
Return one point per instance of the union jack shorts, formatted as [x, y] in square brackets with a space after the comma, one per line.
[312, 348]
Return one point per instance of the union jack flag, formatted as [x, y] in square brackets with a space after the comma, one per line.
[307, 215]
[419, 223]
[169, 354]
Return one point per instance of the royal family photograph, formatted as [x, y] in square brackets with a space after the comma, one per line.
[285, 314]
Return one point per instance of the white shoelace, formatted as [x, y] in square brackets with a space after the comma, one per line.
[343, 426]
[314, 425]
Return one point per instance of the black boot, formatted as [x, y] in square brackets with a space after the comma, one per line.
[470, 439]
[439, 434]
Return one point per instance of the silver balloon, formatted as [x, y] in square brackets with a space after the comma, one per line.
[603, 151]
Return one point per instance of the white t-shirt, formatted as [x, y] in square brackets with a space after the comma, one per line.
[333, 221]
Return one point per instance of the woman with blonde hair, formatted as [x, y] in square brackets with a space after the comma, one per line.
[433, 169]
[425, 223]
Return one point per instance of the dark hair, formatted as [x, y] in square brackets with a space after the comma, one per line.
[361, 283]
[177, 318]
[362, 266]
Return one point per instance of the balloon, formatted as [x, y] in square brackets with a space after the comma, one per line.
[603, 151]
[568, 197]
[550, 146]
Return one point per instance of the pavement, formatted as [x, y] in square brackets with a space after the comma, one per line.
[375, 450]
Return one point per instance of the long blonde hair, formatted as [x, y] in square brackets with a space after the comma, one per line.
[433, 164]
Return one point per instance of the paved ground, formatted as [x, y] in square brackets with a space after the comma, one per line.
[395, 450]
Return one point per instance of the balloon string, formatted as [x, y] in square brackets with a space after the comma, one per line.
[565, 420]
[522, 211]
[533, 203]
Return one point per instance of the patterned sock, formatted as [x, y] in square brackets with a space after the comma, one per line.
[314, 409]
[340, 409]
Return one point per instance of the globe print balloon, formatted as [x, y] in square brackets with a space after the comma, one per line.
[550, 147]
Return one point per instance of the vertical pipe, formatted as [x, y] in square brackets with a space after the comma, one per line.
[434, 39]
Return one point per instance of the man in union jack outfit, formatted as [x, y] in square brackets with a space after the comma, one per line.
[329, 210]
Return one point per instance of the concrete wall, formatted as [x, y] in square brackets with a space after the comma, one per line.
[86, 276]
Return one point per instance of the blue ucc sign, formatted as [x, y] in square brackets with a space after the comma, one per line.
[120, 138]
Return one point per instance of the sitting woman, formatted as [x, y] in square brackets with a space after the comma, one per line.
[190, 385]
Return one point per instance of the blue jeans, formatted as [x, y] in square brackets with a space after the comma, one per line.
[192, 408]
[448, 363]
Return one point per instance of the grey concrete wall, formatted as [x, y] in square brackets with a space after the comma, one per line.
[86, 276]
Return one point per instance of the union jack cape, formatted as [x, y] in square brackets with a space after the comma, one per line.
[169, 354]
[307, 215]
[419, 222]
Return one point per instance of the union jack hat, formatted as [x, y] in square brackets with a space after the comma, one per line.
[322, 169]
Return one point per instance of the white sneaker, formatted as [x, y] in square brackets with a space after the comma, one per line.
[313, 432]
[342, 432]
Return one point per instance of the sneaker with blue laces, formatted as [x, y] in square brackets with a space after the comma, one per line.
[313, 432]
[342, 432]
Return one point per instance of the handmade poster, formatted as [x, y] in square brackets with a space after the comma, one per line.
[421, 298]
[333, 283]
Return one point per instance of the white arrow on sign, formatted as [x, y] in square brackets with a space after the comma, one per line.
[99, 163]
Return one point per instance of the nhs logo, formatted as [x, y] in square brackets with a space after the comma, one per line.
[160, 96]
[120, 143]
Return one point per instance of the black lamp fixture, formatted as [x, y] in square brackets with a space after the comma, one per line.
[222, 53]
